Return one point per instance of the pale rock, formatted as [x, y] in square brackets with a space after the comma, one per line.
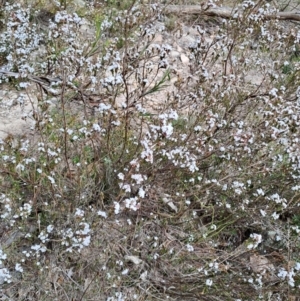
[192, 30]
[179, 49]
[184, 59]
[166, 199]
[12, 113]
[39, 54]
[158, 38]
[87, 29]
[174, 54]
[187, 40]
[133, 259]
[261, 265]
[254, 78]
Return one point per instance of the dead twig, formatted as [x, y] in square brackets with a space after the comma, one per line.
[224, 12]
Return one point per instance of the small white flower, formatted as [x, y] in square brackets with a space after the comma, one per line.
[51, 180]
[273, 92]
[131, 203]
[117, 207]
[104, 107]
[260, 192]
[102, 213]
[213, 227]
[5, 275]
[96, 127]
[297, 266]
[138, 178]
[121, 176]
[18, 268]
[167, 129]
[79, 212]
[20, 167]
[275, 216]
[190, 248]
[3, 256]
[86, 229]
[262, 212]
[282, 273]
[86, 241]
[125, 187]
[209, 282]
[141, 193]
[255, 240]
[50, 228]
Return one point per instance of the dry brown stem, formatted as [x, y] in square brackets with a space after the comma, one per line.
[224, 12]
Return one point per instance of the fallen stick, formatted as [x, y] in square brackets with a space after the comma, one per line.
[223, 12]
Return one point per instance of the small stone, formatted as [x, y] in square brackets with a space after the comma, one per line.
[158, 38]
[184, 59]
[174, 54]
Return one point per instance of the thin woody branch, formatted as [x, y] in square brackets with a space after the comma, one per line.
[224, 12]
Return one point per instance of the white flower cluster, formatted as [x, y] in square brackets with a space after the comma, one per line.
[19, 40]
[289, 275]
[79, 238]
[6, 208]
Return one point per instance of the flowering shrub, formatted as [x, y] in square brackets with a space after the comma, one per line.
[140, 182]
